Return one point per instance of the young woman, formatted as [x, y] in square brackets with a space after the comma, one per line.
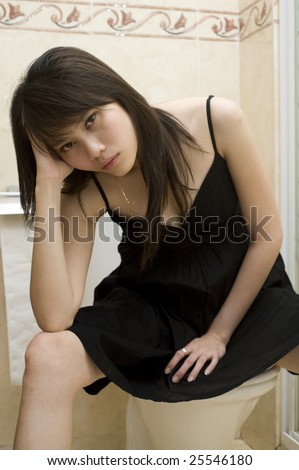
[200, 302]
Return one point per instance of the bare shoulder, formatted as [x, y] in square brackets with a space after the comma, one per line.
[185, 109]
[225, 111]
[229, 123]
[221, 107]
[192, 112]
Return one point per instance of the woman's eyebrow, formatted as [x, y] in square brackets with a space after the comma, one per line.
[61, 139]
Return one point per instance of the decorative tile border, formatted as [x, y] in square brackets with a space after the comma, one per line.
[107, 18]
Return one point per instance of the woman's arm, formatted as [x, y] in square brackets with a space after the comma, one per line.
[235, 142]
[61, 251]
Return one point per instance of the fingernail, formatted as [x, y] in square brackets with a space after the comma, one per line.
[190, 378]
[175, 379]
[206, 372]
[167, 370]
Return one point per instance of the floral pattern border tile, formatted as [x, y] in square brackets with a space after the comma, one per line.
[143, 21]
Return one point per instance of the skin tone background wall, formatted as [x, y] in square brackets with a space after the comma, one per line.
[167, 49]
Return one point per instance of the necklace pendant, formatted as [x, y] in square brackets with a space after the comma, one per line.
[130, 204]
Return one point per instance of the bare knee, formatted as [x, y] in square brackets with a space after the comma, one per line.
[60, 359]
[44, 354]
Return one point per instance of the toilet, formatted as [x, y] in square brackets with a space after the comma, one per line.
[213, 423]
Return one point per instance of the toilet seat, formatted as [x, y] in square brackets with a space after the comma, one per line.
[211, 423]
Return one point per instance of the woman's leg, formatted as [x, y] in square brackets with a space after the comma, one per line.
[57, 366]
[290, 361]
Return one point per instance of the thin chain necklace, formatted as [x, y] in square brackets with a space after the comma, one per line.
[130, 204]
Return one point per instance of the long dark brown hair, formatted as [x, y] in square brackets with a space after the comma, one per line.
[57, 90]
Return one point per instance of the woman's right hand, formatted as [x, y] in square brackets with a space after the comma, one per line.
[49, 167]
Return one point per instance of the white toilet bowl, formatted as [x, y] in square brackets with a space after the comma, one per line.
[213, 423]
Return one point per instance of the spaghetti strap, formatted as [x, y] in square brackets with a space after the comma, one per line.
[210, 123]
[99, 186]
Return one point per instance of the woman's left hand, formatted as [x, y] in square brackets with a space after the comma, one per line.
[208, 348]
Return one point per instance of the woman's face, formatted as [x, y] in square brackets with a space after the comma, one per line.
[104, 141]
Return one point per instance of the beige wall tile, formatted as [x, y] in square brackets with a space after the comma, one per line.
[218, 69]
[259, 71]
[256, 73]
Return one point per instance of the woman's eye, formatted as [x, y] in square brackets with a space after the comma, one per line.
[67, 147]
[90, 120]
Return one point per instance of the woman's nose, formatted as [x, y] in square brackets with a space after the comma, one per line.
[94, 149]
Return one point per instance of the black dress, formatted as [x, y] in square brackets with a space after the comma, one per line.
[140, 319]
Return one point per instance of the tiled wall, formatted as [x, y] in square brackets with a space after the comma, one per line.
[259, 82]
[166, 49]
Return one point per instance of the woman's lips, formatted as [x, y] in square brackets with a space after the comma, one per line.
[110, 162]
